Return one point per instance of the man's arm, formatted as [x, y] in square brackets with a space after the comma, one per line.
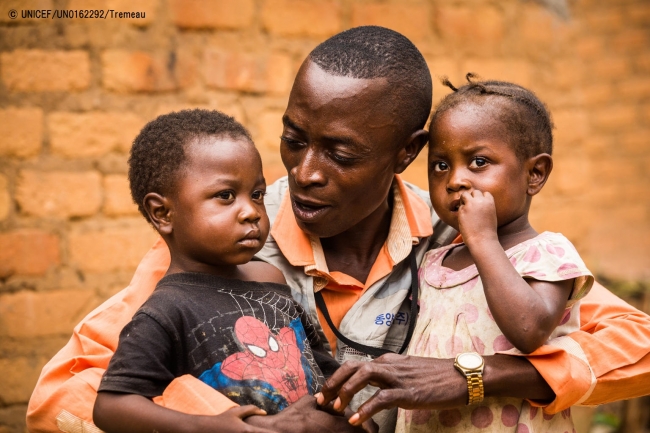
[608, 359]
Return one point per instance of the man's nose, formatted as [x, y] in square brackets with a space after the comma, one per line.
[308, 171]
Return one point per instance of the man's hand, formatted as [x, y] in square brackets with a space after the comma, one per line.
[477, 216]
[304, 416]
[408, 382]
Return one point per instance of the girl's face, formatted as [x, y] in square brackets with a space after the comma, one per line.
[469, 149]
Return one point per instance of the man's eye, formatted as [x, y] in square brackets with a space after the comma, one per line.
[293, 144]
[440, 166]
[226, 195]
[478, 162]
[342, 158]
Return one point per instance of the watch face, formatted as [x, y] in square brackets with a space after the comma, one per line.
[470, 360]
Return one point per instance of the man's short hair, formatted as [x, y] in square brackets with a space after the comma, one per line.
[378, 52]
[158, 152]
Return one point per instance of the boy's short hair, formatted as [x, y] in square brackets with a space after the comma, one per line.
[525, 116]
[377, 52]
[158, 152]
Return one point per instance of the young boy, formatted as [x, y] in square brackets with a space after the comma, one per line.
[197, 178]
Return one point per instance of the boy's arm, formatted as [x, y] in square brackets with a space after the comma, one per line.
[130, 413]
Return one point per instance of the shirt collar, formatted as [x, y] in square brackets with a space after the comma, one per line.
[410, 221]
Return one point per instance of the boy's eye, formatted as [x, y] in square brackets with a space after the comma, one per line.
[440, 166]
[226, 195]
[258, 195]
[478, 162]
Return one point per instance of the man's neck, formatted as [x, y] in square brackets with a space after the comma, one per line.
[355, 251]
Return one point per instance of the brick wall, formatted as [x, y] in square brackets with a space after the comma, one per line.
[75, 92]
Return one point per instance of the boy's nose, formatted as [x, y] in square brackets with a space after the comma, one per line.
[249, 212]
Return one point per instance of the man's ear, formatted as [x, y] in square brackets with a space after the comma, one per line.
[411, 150]
[159, 211]
[539, 168]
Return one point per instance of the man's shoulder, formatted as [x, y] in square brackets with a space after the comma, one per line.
[274, 195]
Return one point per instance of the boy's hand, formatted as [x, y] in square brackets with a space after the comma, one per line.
[304, 416]
[477, 217]
[232, 420]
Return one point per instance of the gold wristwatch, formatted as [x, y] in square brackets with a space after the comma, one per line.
[470, 365]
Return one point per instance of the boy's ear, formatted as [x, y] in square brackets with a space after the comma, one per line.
[411, 150]
[159, 211]
[539, 168]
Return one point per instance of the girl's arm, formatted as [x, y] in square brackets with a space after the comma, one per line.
[526, 311]
[130, 413]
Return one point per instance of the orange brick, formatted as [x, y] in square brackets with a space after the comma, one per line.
[517, 71]
[105, 249]
[638, 13]
[58, 194]
[642, 61]
[28, 252]
[5, 198]
[441, 67]
[117, 196]
[249, 72]
[18, 378]
[75, 135]
[536, 26]
[224, 14]
[614, 117]
[473, 28]
[19, 6]
[609, 67]
[137, 71]
[634, 142]
[269, 130]
[645, 110]
[589, 47]
[21, 132]
[635, 87]
[597, 93]
[315, 18]
[570, 126]
[571, 176]
[605, 20]
[568, 74]
[45, 71]
[631, 41]
[32, 314]
[410, 20]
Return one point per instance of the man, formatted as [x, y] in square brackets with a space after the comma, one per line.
[346, 226]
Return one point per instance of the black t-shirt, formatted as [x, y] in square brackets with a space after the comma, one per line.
[250, 341]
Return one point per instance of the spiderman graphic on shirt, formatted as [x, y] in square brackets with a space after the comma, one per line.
[270, 371]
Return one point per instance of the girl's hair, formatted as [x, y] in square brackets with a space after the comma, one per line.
[526, 118]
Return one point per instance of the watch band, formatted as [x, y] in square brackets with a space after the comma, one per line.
[475, 388]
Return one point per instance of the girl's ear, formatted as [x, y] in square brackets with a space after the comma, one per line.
[539, 168]
[411, 150]
[159, 211]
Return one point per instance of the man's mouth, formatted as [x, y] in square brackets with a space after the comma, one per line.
[306, 210]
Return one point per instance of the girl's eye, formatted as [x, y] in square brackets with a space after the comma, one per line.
[478, 162]
[440, 166]
[226, 195]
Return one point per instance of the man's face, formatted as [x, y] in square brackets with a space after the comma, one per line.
[340, 147]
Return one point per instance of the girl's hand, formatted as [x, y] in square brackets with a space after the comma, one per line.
[477, 217]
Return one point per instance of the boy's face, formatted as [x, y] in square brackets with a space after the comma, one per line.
[469, 150]
[217, 207]
[340, 148]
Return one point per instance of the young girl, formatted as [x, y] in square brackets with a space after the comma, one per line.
[505, 288]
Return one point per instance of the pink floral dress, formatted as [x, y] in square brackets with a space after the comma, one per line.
[455, 318]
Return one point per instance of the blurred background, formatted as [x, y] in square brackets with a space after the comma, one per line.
[75, 92]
